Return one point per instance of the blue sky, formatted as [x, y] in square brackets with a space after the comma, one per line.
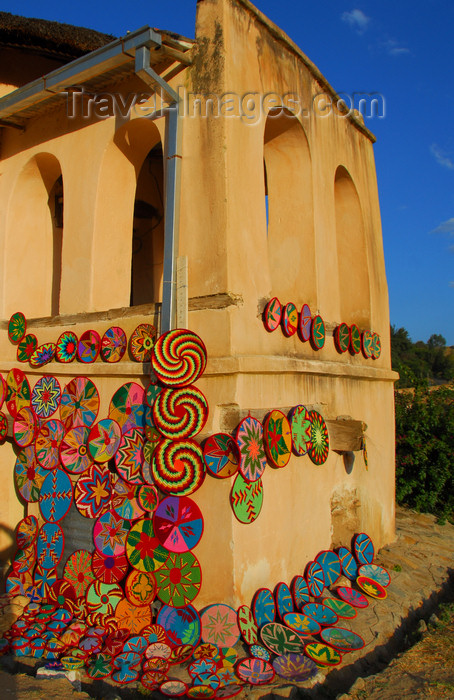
[400, 49]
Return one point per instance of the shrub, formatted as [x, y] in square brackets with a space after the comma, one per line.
[425, 450]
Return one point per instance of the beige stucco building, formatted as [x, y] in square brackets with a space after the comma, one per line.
[118, 216]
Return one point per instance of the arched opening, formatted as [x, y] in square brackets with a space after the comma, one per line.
[354, 289]
[289, 208]
[33, 256]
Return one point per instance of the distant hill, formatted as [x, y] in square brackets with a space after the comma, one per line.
[421, 363]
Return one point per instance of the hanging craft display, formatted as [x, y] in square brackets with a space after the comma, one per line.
[180, 413]
[289, 319]
[315, 579]
[281, 639]
[113, 344]
[263, 607]
[103, 597]
[317, 332]
[340, 607]
[45, 398]
[301, 430]
[74, 454]
[283, 599]
[143, 549]
[26, 347]
[319, 450]
[78, 571]
[295, 667]
[178, 523]
[178, 579]
[331, 565]
[109, 569]
[125, 500]
[88, 346]
[110, 533]
[93, 491]
[127, 407]
[27, 531]
[355, 598]
[355, 340]
[342, 337]
[129, 457]
[249, 438]
[42, 355]
[376, 573]
[302, 623]
[104, 440]
[178, 467]
[17, 327]
[49, 546]
[28, 475]
[272, 314]
[255, 671]
[277, 438]
[79, 403]
[24, 427]
[300, 591]
[56, 496]
[179, 358]
[221, 455]
[142, 341]
[348, 562]
[363, 548]
[181, 625]
[66, 347]
[342, 639]
[320, 613]
[371, 587]
[47, 443]
[18, 391]
[140, 587]
[219, 625]
[247, 625]
[322, 654]
[376, 346]
[246, 499]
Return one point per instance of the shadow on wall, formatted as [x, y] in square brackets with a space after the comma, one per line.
[6, 555]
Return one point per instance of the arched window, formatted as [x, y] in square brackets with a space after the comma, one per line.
[289, 208]
[33, 253]
[354, 289]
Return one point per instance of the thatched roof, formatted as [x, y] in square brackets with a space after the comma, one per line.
[63, 42]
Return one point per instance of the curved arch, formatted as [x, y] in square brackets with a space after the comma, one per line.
[290, 211]
[120, 174]
[354, 286]
[34, 232]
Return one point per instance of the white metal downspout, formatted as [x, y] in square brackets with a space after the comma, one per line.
[172, 187]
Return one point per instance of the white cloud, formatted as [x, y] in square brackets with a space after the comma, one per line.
[357, 20]
[441, 157]
[392, 47]
[445, 227]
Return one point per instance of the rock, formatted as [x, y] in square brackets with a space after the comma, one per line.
[422, 627]
[343, 696]
[74, 677]
[359, 684]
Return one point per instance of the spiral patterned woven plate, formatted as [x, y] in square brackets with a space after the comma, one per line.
[178, 523]
[143, 549]
[180, 413]
[66, 347]
[178, 467]
[17, 327]
[113, 344]
[28, 475]
[24, 427]
[79, 403]
[104, 440]
[142, 341]
[300, 421]
[249, 438]
[42, 355]
[272, 314]
[319, 449]
[178, 579]
[26, 347]
[88, 346]
[45, 398]
[127, 407]
[93, 491]
[47, 444]
[18, 391]
[103, 597]
[277, 439]
[74, 454]
[179, 358]
[221, 455]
